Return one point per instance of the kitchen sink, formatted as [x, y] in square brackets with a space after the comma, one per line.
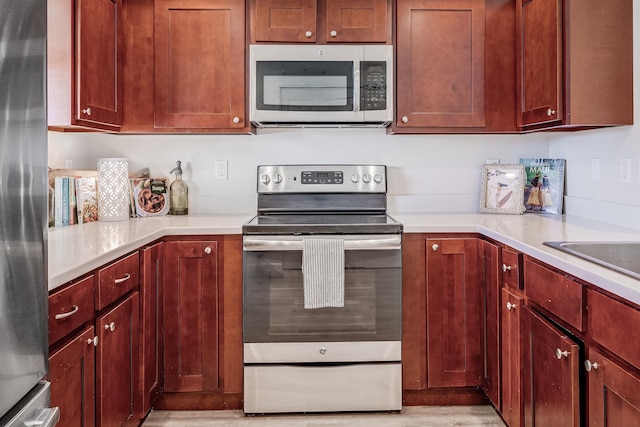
[623, 257]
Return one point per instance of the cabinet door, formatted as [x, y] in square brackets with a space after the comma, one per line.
[363, 21]
[539, 68]
[454, 283]
[72, 377]
[199, 64]
[117, 360]
[99, 61]
[551, 374]
[490, 255]
[614, 393]
[190, 307]
[285, 20]
[440, 63]
[511, 327]
[150, 325]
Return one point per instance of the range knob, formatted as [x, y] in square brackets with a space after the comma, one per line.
[277, 179]
[378, 178]
[366, 178]
[355, 178]
[265, 179]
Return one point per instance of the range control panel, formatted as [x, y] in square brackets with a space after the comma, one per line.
[322, 179]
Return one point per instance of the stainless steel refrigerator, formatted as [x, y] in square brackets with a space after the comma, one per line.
[24, 394]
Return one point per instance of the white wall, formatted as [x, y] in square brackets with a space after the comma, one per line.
[427, 173]
[606, 199]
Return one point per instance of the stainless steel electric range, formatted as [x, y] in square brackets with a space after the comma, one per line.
[322, 292]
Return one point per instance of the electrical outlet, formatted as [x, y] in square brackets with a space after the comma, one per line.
[221, 169]
[595, 169]
[625, 170]
[493, 161]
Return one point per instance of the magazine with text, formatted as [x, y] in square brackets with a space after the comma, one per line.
[544, 186]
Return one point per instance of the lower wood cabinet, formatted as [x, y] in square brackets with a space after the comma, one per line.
[491, 384]
[72, 377]
[454, 332]
[117, 366]
[511, 355]
[551, 374]
[190, 307]
[614, 392]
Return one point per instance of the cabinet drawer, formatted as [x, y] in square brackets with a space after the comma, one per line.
[511, 269]
[556, 293]
[70, 307]
[611, 323]
[117, 279]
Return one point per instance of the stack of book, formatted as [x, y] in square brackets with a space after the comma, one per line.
[74, 200]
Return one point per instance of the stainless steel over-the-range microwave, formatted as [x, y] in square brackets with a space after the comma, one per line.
[321, 85]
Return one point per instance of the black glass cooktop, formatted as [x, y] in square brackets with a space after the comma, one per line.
[322, 224]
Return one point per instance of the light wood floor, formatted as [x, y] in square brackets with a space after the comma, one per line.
[410, 416]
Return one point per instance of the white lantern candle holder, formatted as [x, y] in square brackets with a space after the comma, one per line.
[113, 189]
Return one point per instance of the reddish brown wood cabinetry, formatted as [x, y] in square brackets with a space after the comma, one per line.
[199, 63]
[614, 393]
[191, 316]
[117, 364]
[72, 377]
[440, 63]
[151, 278]
[574, 63]
[322, 21]
[551, 374]
[511, 354]
[490, 256]
[454, 332]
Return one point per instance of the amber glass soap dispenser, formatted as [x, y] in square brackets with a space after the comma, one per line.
[178, 193]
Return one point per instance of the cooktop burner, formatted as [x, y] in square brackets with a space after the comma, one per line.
[323, 224]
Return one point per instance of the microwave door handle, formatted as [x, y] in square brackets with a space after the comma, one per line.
[356, 85]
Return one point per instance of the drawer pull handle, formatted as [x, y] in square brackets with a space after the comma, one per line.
[93, 341]
[506, 267]
[588, 365]
[560, 353]
[123, 279]
[110, 327]
[73, 311]
[511, 306]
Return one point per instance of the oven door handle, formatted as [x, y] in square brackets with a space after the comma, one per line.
[295, 244]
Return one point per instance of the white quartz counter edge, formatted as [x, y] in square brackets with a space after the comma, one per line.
[526, 233]
[76, 250]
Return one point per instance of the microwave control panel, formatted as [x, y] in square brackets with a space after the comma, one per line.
[373, 85]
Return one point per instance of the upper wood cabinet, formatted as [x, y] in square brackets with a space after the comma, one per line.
[440, 64]
[85, 67]
[575, 63]
[199, 65]
[321, 21]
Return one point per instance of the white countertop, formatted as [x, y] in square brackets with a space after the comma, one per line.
[76, 250]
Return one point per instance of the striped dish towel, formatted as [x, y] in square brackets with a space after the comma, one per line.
[323, 272]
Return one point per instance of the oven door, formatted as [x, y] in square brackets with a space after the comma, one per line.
[273, 294]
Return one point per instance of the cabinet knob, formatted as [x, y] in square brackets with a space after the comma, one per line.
[93, 341]
[110, 327]
[308, 34]
[511, 306]
[588, 365]
[506, 267]
[405, 119]
[560, 354]
[550, 112]
[86, 111]
[333, 33]
[323, 350]
[122, 279]
[207, 250]
[435, 247]
[236, 120]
